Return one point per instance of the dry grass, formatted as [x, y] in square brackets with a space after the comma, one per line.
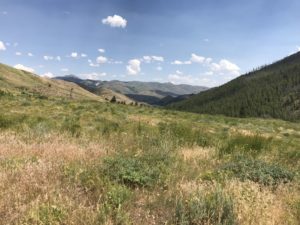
[31, 177]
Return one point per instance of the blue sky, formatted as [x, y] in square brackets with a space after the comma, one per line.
[203, 42]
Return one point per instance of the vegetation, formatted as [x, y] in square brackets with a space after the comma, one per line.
[270, 91]
[66, 161]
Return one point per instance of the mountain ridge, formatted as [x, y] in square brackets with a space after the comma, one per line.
[147, 92]
[270, 91]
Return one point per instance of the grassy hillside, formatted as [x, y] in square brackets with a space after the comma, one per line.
[18, 81]
[272, 91]
[109, 94]
[85, 162]
[148, 92]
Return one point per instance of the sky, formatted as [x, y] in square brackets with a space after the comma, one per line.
[198, 42]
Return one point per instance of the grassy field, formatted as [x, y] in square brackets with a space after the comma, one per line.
[87, 162]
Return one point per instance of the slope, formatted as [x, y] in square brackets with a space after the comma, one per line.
[18, 81]
[271, 91]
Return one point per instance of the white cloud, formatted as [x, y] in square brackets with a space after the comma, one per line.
[83, 55]
[180, 78]
[117, 62]
[92, 64]
[101, 50]
[158, 58]
[101, 59]
[74, 54]
[93, 76]
[298, 48]
[197, 59]
[134, 67]
[25, 68]
[225, 67]
[149, 59]
[48, 75]
[159, 68]
[29, 54]
[115, 21]
[18, 53]
[64, 69]
[47, 57]
[178, 62]
[200, 59]
[2, 46]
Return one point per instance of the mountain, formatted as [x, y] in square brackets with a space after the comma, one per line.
[148, 92]
[18, 81]
[170, 99]
[271, 91]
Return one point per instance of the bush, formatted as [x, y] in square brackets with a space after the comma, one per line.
[249, 145]
[137, 171]
[199, 209]
[257, 171]
[46, 215]
[72, 126]
[183, 134]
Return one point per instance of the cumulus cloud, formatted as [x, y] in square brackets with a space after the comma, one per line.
[197, 59]
[200, 59]
[115, 21]
[48, 57]
[225, 67]
[83, 55]
[74, 54]
[178, 62]
[101, 59]
[134, 67]
[180, 78]
[92, 64]
[159, 68]
[29, 54]
[101, 50]
[93, 76]
[2, 46]
[149, 59]
[64, 69]
[298, 48]
[18, 53]
[25, 68]
[48, 75]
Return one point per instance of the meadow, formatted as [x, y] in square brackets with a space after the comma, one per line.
[87, 162]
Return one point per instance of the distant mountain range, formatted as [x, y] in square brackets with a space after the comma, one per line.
[271, 91]
[152, 93]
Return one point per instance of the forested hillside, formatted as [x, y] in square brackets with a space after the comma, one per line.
[271, 91]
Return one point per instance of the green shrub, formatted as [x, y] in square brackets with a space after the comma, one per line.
[249, 145]
[199, 209]
[8, 121]
[47, 215]
[71, 125]
[134, 171]
[107, 127]
[184, 134]
[257, 171]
